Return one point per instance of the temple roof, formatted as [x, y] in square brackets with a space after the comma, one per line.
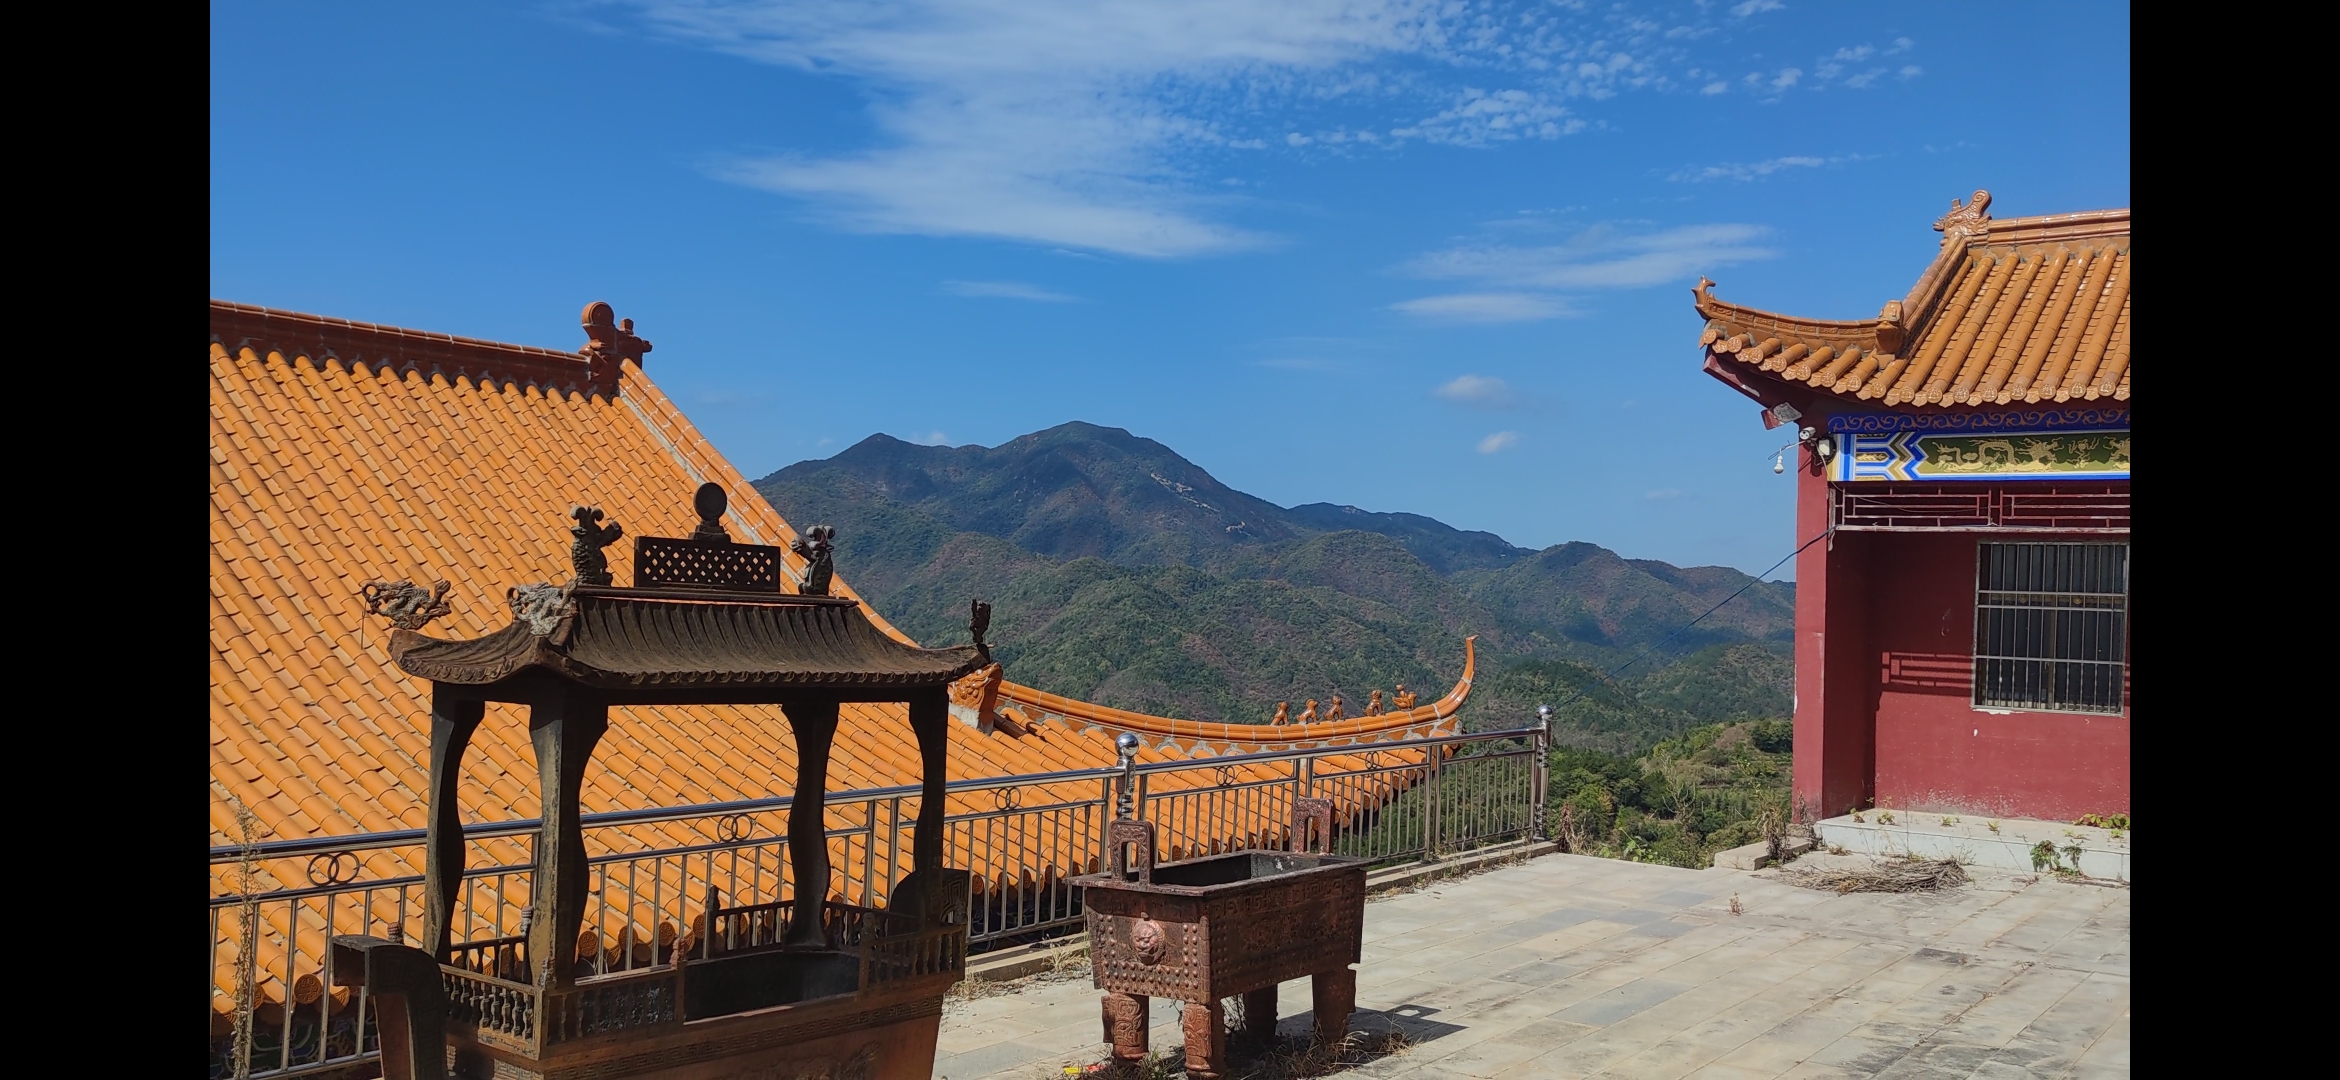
[1023, 704]
[607, 639]
[2025, 310]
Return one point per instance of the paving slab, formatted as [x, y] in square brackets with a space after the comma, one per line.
[1566, 966]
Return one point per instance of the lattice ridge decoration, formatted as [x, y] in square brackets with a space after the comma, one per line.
[661, 562]
[1943, 508]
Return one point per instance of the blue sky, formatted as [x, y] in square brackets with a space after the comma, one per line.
[1429, 257]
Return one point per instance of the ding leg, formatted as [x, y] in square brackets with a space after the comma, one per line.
[1127, 1024]
[1206, 1040]
[1259, 1017]
[1335, 992]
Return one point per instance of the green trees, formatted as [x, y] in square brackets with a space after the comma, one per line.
[1690, 796]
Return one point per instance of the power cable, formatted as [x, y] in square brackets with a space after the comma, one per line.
[1611, 674]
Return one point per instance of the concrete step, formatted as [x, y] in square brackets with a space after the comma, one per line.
[2004, 843]
[1757, 855]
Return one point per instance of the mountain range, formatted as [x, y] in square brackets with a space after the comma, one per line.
[1123, 573]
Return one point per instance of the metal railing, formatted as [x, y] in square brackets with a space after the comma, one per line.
[654, 871]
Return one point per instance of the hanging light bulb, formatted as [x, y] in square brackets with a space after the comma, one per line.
[1779, 462]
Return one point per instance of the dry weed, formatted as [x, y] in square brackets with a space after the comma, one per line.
[1897, 876]
[1070, 964]
[1446, 876]
[1290, 1058]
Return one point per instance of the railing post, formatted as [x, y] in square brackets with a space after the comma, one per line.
[1432, 820]
[893, 845]
[1304, 778]
[868, 858]
[1540, 784]
[1105, 816]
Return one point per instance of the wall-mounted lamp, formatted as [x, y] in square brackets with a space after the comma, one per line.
[1823, 448]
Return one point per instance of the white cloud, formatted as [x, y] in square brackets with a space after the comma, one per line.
[1500, 441]
[1715, 87]
[1843, 59]
[1481, 117]
[1062, 123]
[1732, 170]
[933, 438]
[1482, 391]
[1486, 307]
[1755, 7]
[1103, 127]
[1601, 257]
[1662, 494]
[1912, 71]
[1787, 77]
[1006, 290]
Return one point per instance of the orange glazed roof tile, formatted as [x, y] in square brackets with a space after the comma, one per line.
[344, 452]
[2013, 310]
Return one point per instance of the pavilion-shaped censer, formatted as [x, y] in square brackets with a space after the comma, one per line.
[800, 986]
[1206, 929]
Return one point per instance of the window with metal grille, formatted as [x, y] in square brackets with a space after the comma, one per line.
[2051, 627]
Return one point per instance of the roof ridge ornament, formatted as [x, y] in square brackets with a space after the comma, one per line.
[585, 555]
[610, 340]
[979, 624]
[710, 502]
[541, 606]
[409, 606]
[1971, 220]
[1889, 329]
[818, 548]
[709, 558]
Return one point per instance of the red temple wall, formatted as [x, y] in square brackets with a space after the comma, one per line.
[1934, 749]
[1884, 713]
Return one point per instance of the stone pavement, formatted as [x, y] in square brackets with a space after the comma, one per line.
[1569, 966]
